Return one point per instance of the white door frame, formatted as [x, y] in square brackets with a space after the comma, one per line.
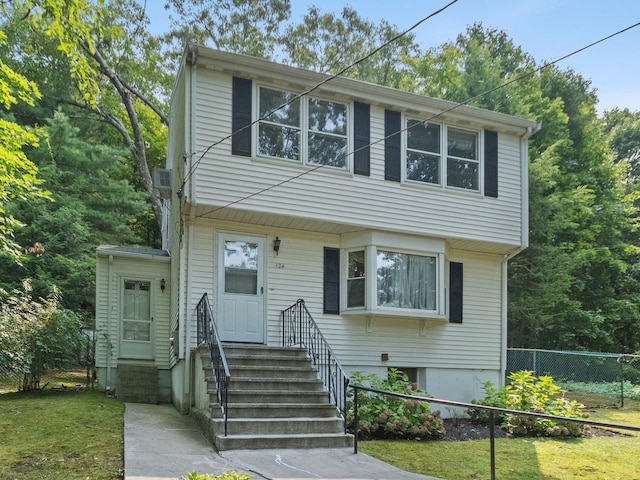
[133, 347]
[252, 325]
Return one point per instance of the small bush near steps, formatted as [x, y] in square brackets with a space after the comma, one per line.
[222, 476]
[383, 416]
[529, 393]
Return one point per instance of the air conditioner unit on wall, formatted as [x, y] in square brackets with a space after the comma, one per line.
[162, 182]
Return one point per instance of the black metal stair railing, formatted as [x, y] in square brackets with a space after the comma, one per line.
[208, 334]
[299, 329]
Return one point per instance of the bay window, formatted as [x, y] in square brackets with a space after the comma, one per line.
[393, 275]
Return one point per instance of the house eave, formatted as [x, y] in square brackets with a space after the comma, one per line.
[134, 252]
[296, 78]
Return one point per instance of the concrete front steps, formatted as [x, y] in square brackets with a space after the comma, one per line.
[275, 400]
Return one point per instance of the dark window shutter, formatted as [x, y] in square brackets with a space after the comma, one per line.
[331, 280]
[362, 138]
[455, 292]
[392, 154]
[241, 117]
[491, 163]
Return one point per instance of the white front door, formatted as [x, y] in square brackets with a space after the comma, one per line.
[240, 311]
[137, 322]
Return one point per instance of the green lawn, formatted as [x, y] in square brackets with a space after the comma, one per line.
[61, 435]
[605, 458]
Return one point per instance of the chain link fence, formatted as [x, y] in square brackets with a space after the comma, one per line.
[604, 378]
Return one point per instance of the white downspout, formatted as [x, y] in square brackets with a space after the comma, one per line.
[109, 314]
[524, 188]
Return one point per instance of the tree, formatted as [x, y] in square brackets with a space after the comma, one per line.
[565, 290]
[329, 43]
[105, 45]
[94, 204]
[249, 27]
[17, 173]
[38, 335]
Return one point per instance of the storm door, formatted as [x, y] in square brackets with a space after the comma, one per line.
[240, 312]
[137, 322]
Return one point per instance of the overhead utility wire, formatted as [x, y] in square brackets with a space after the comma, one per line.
[315, 87]
[455, 106]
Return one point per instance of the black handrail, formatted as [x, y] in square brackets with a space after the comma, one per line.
[492, 411]
[208, 334]
[299, 329]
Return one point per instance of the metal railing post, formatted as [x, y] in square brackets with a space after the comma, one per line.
[355, 420]
[492, 443]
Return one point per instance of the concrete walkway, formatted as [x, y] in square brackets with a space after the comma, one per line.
[161, 444]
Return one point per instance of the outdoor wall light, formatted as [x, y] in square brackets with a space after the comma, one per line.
[276, 245]
[163, 285]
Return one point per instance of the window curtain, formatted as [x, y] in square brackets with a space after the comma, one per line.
[406, 281]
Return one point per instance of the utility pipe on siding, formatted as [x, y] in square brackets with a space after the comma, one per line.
[524, 188]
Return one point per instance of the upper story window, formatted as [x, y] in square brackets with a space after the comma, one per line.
[306, 129]
[327, 135]
[279, 128]
[463, 166]
[456, 165]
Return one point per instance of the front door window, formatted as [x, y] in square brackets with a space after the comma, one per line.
[240, 267]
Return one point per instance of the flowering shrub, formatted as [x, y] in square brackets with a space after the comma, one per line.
[528, 393]
[384, 416]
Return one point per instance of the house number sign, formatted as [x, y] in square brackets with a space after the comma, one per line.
[279, 265]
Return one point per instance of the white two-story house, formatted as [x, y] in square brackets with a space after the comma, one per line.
[392, 215]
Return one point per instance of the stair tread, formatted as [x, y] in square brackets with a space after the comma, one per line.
[280, 406]
[286, 435]
[280, 419]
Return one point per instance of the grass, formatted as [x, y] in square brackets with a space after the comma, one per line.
[61, 434]
[524, 458]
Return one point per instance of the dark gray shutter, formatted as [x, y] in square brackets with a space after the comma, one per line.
[362, 138]
[331, 302]
[455, 292]
[241, 117]
[392, 153]
[491, 163]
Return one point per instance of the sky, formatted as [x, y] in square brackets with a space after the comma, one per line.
[546, 29]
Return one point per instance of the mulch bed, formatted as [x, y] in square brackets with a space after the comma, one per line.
[460, 429]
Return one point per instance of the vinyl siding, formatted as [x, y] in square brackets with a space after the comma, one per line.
[336, 196]
[473, 344]
[109, 281]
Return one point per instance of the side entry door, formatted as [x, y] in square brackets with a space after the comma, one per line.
[137, 323]
[240, 311]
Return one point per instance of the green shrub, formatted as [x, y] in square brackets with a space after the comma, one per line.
[384, 416]
[222, 476]
[528, 393]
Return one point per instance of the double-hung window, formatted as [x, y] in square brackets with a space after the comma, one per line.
[279, 127]
[309, 130]
[463, 165]
[441, 155]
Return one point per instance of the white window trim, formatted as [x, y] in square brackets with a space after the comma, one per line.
[444, 129]
[304, 130]
[371, 242]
